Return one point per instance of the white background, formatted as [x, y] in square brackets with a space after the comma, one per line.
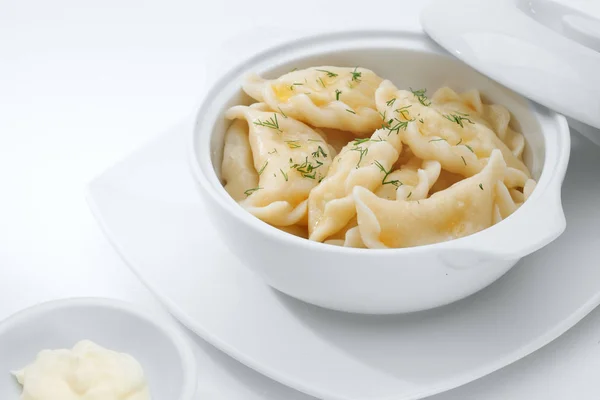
[84, 83]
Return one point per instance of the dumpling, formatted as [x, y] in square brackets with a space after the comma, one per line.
[414, 180]
[463, 209]
[494, 116]
[237, 170]
[289, 159]
[323, 97]
[363, 162]
[349, 236]
[433, 132]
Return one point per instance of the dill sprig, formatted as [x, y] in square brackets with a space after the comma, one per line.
[356, 75]
[481, 186]
[363, 152]
[394, 182]
[273, 152]
[293, 144]
[390, 102]
[357, 142]
[458, 118]
[464, 161]
[329, 73]
[307, 169]
[270, 123]
[403, 111]
[337, 94]
[263, 168]
[420, 95]
[314, 140]
[282, 113]
[399, 125]
[350, 111]
[319, 152]
[421, 120]
[285, 176]
[321, 82]
[410, 194]
[470, 148]
[250, 191]
[295, 84]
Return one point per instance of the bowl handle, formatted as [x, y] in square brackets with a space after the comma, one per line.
[533, 226]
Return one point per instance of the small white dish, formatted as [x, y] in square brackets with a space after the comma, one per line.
[375, 281]
[163, 352]
[546, 50]
[150, 211]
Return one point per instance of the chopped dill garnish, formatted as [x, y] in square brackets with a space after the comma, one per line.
[390, 102]
[329, 73]
[321, 82]
[314, 140]
[459, 142]
[282, 113]
[350, 111]
[293, 144]
[481, 186]
[295, 69]
[319, 152]
[421, 120]
[273, 152]
[337, 94]
[463, 160]
[295, 84]
[356, 142]
[356, 75]
[263, 168]
[410, 194]
[469, 147]
[437, 140]
[270, 123]
[379, 139]
[395, 182]
[420, 95]
[307, 169]
[285, 176]
[403, 111]
[250, 191]
[400, 125]
[458, 118]
[363, 152]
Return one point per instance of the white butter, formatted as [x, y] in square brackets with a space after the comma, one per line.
[88, 372]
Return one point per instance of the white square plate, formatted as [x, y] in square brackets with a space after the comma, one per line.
[151, 212]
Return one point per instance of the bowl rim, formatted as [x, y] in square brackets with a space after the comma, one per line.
[552, 172]
[181, 343]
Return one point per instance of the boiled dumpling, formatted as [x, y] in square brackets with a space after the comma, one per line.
[289, 158]
[435, 132]
[463, 209]
[324, 97]
[238, 165]
[363, 162]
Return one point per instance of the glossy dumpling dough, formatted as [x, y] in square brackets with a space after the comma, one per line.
[323, 97]
[495, 116]
[463, 209]
[289, 159]
[362, 162]
[437, 131]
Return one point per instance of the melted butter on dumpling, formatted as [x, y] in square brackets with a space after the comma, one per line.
[436, 131]
[323, 97]
[362, 162]
[461, 210]
[289, 158]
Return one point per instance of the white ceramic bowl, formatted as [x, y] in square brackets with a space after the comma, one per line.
[390, 280]
[164, 353]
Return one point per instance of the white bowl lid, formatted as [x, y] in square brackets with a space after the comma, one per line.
[546, 50]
